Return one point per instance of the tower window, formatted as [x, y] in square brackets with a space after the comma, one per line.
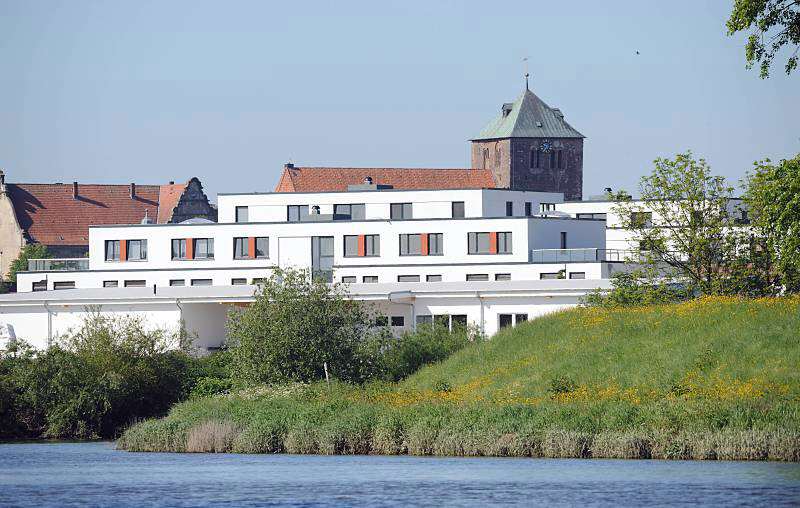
[485, 157]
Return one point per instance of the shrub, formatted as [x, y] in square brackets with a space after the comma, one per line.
[428, 344]
[634, 289]
[297, 325]
[95, 380]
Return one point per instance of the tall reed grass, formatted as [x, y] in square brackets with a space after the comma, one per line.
[713, 379]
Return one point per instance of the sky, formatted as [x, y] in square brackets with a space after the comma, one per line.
[151, 91]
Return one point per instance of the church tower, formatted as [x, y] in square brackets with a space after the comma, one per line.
[529, 146]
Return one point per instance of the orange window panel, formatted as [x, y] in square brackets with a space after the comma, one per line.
[423, 241]
[362, 246]
[493, 243]
[251, 247]
[189, 248]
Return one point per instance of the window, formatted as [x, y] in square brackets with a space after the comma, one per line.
[39, 285]
[509, 208]
[536, 156]
[563, 239]
[433, 278]
[137, 250]
[408, 278]
[177, 282]
[411, 245]
[349, 279]
[504, 243]
[350, 246]
[349, 212]
[502, 276]
[179, 248]
[477, 277]
[372, 245]
[478, 243]
[547, 207]
[258, 280]
[135, 283]
[110, 283]
[528, 209]
[381, 321]
[112, 250]
[242, 213]
[550, 276]
[641, 219]
[577, 275]
[67, 284]
[520, 318]
[203, 248]
[296, 213]
[600, 216]
[458, 209]
[322, 258]
[424, 319]
[353, 248]
[458, 321]
[435, 244]
[201, 282]
[239, 282]
[398, 321]
[369, 279]
[262, 247]
[240, 248]
[506, 320]
[399, 211]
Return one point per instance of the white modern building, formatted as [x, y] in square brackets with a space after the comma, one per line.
[490, 257]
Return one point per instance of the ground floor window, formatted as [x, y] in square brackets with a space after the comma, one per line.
[577, 275]
[201, 282]
[135, 283]
[369, 279]
[177, 282]
[349, 279]
[238, 282]
[110, 283]
[40, 285]
[67, 284]
[512, 319]
[398, 321]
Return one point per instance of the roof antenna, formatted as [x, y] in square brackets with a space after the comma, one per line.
[525, 60]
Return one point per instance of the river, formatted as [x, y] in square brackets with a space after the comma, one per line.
[95, 474]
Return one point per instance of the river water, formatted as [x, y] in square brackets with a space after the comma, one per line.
[95, 474]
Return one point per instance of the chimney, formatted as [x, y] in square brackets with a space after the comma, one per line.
[288, 165]
[172, 182]
[367, 180]
[2, 177]
[133, 190]
[74, 190]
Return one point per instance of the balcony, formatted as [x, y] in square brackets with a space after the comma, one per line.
[582, 255]
[58, 264]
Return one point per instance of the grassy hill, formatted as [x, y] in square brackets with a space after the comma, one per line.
[711, 378]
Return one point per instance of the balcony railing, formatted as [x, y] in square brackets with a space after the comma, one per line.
[582, 255]
[58, 264]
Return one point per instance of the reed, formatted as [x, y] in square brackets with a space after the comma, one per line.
[714, 379]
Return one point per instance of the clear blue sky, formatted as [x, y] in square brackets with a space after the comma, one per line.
[150, 91]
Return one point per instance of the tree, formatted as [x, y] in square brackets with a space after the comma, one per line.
[30, 251]
[295, 327]
[774, 24]
[684, 221]
[772, 193]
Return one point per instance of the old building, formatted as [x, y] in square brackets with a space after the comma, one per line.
[58, 215]
[528, 146]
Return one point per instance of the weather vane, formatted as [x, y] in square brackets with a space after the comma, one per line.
[525, 63]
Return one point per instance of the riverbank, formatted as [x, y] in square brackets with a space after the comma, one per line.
[714, 378]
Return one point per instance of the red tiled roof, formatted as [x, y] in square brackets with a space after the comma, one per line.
[51, 216]
[168, 199]
[337, 179]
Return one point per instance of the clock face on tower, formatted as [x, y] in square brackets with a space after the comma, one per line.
[546, 146]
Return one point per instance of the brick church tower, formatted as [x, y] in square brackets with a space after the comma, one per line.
[529, 146]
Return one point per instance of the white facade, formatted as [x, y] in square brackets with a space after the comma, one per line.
[485, 256]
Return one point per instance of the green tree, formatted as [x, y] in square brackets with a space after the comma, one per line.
[636, 288]
[773, 24]
[772, 193]
[30, 251]
[683, 222]
[295, 327]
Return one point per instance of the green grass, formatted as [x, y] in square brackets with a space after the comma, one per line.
[709, 379]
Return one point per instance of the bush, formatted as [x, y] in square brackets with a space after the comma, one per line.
[428, 344]
[94, 381]
[296, 326]
[634, 289]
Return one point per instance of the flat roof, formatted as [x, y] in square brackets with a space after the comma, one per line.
[269, 193]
